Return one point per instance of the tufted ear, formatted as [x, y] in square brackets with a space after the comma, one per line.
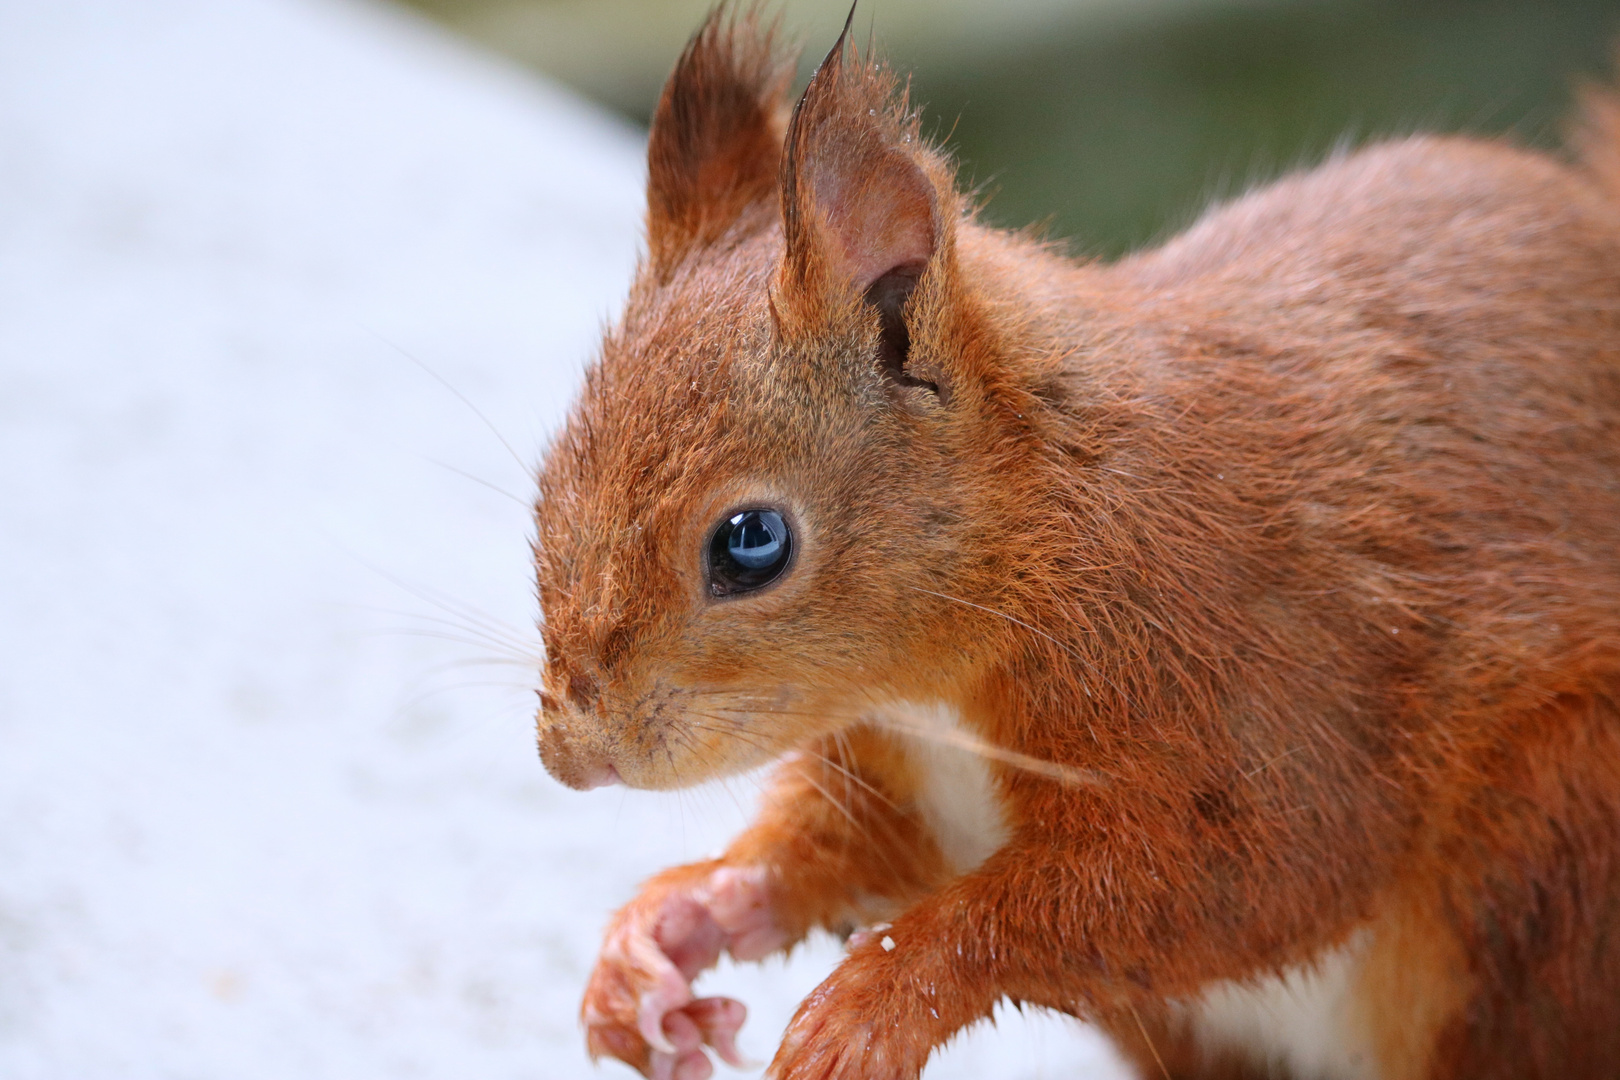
[860, 213]
[716, 136]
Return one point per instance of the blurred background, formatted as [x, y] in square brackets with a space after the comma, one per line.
[1109, 122]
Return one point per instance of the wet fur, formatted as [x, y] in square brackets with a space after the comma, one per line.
[1295, 540]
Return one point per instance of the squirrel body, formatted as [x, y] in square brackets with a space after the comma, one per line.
[1222, 645]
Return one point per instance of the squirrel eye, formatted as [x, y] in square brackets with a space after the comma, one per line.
[749, 550]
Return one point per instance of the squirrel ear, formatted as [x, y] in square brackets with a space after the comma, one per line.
[860, 212]
[716, 136]
[854, 194]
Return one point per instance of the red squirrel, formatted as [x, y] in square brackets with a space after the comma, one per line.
[1221, 644]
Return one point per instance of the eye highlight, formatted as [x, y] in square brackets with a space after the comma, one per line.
[748, 551]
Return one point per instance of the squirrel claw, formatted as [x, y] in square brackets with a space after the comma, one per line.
[711, 1022]
[691, 1065]
[639, 1006]
[720, 1019]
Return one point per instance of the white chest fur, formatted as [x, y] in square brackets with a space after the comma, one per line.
[957, 794]
[1303, 1020]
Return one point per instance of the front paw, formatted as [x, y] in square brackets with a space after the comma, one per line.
[639, 1005]
[852, 1029]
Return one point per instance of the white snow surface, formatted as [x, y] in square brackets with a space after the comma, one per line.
[269, 802]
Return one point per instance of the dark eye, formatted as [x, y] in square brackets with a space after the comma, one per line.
[750, 549]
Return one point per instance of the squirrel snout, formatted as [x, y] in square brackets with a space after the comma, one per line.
[575, 758]
[572, 746]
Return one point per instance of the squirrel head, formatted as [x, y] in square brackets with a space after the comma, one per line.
[752, 527]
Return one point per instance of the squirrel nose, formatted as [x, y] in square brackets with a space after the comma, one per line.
[581, 763]
[573, 744]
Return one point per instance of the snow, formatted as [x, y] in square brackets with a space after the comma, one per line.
[269, 802]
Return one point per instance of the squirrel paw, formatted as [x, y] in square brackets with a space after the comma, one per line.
[639, 1005]
[838, 1035]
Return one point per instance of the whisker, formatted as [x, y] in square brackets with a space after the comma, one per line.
[468, 684]
[1070, 775]
[514, 647]
[731, 733]
[481, 661]
[1035, 630]
[860, 829]
[852, 777]
[442, 381]
[496, 629]
[734, 730]
[461, 731]
[1280, 757]
[471, 619]
[682, 731]
[855, 823]
[1148, 1039]
[496, 488]
[771, 711]
[1002, 614]
[448, 605]
[725, 785]
[440, 635]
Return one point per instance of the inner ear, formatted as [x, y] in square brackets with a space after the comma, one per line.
[888, 296]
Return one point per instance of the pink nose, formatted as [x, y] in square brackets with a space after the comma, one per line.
[602, 777]
[578, 759]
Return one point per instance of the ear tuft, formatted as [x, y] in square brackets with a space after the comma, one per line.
[716, 136]
[855, 193]
[862, 199]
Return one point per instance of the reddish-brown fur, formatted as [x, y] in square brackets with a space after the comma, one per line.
[1293, 542]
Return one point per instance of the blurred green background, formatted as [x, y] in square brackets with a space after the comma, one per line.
[1112, 122]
